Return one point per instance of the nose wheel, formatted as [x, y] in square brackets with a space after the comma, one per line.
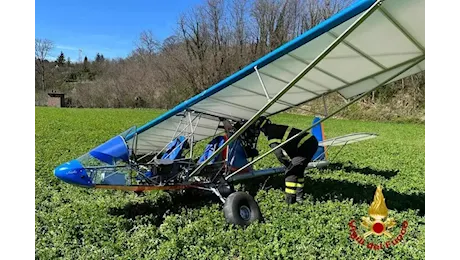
[245, 212]
[241, 209]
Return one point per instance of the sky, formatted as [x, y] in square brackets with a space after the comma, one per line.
[107, 27]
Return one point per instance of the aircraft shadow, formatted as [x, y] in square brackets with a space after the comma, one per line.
[318, 189]
[329, 189]
[388, 174]
[166, 204]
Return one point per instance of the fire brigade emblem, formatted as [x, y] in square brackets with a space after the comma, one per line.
[378, 223]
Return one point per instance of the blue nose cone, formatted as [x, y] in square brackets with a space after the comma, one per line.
[73, 172]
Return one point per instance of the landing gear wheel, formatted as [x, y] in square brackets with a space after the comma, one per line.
[226, 190]
[240, 208]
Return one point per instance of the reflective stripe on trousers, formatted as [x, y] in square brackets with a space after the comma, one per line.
[293, 187]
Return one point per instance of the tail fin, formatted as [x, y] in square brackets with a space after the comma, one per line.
[318, 132]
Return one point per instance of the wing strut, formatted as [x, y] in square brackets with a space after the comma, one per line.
[262, 83]
[330, 115]
[273, 100]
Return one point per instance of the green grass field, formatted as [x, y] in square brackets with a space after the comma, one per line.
[79, 223]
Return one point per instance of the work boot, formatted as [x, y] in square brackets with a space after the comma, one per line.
[299, 198]
[290, 199]
[290, 188]
[299, 190]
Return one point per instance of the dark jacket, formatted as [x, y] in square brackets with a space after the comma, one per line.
[277, 134]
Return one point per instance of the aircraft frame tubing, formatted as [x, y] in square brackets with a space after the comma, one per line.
[176, 134]
[327, 117]
[309, 67]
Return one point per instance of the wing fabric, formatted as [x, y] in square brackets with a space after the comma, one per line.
[390, 40]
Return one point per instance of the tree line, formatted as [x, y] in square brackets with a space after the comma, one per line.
[211, 41]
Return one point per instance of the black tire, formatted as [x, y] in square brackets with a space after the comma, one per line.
[241, 209]
[226, 190]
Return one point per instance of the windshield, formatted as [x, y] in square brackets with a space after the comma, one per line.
[112, 151]
[108, 163]
[88, 161]
[128, 131]
[106, 174]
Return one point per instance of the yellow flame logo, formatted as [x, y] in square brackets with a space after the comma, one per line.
[378, 211]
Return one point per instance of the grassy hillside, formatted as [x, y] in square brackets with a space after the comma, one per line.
[78, 223]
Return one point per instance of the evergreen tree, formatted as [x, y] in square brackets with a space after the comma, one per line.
[61, 60]
[85, 65]
[99, 57]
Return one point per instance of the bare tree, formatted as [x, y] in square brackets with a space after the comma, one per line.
[260, 13]
[147, 44]
[195, 33]
[281, 24]
[312, 15]
[295, 13]
[211, 41]
[331, 7]
[219, 37]
[237, 12]
[42, 49]
[271, 20]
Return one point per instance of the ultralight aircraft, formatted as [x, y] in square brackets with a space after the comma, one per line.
[364, 47]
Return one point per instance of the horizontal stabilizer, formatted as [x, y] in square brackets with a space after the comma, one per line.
[347, 139]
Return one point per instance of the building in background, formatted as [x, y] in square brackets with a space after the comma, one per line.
[56, 99]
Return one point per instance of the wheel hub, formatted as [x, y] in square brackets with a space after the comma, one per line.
[245, 212]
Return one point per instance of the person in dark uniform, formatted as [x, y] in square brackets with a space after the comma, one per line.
[295, 155]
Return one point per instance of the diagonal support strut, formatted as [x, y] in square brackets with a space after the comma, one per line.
[321, 56]
[327, 117]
